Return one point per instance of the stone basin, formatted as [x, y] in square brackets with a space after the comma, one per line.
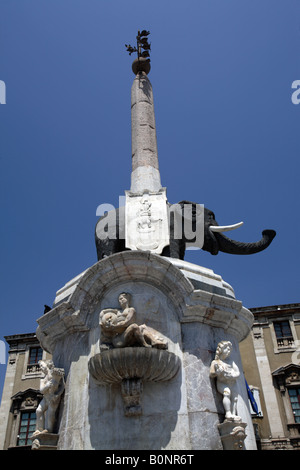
[131, 367]
[147, 364]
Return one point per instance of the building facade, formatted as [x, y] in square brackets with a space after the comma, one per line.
[21, 394]
[271, 361]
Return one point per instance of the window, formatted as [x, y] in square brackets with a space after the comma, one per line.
[283, 333]
[294, 394]
[27, 428]
[35, 355]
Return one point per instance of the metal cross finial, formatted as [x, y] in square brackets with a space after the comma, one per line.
[142, 43]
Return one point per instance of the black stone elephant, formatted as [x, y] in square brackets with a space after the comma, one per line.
[214, 240]
[110, 233]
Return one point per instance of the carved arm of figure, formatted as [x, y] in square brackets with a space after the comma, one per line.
[46, 385]
[114, 321]
[224, 371]
[58, 383]
[108, 317]
[235, 371]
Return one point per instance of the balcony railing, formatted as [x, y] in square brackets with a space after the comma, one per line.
[31, 368]
[285, 342]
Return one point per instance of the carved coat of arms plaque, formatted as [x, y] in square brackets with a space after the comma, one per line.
[146, 221]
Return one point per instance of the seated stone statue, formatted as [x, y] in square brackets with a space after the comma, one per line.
[226, 376]
[52, 386]
[118, 328]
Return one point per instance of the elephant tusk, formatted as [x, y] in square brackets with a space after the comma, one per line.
[224, 228]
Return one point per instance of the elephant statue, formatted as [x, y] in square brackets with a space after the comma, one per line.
[112, 223]
[214, 239]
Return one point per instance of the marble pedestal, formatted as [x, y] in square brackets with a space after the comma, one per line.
[44, 441]
[232, 434]
[193, 309]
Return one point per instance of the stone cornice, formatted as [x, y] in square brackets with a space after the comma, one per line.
[73, 313]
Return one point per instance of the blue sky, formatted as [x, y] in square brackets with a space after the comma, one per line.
[227, 131]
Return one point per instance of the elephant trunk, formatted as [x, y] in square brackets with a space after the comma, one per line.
[233, 247]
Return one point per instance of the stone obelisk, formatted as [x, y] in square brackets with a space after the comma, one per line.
[146, 217]
[145, 171]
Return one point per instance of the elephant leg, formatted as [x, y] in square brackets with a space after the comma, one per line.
[106, 248]
[176, 249]
[210, 243]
